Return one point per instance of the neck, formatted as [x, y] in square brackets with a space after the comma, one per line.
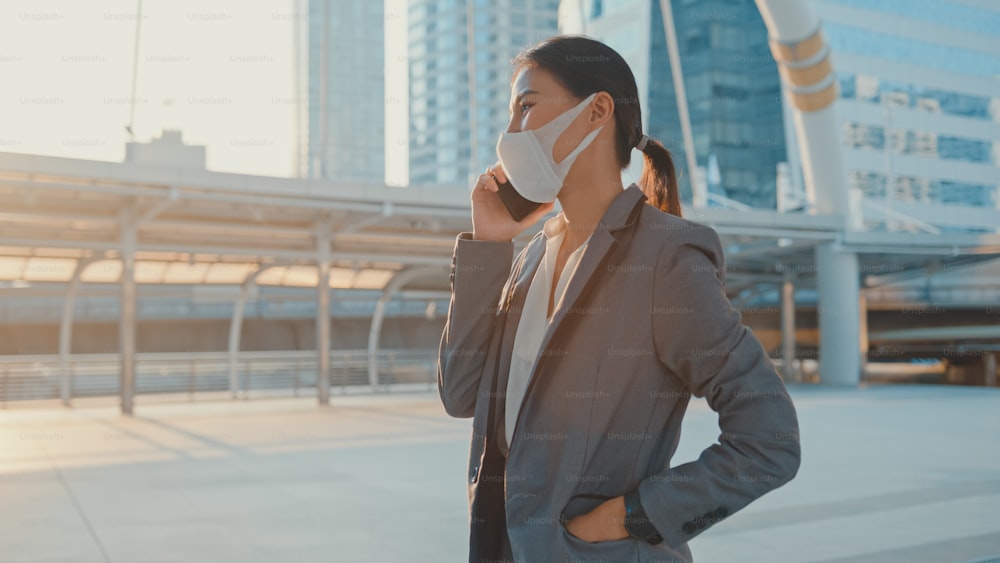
[586, 202]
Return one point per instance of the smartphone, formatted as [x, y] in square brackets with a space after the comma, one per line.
[516, 204]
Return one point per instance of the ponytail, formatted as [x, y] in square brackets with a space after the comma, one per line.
[659, 178]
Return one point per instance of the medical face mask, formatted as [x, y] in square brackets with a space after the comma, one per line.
[526, 156]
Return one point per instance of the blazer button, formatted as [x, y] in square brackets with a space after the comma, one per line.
[689, 528]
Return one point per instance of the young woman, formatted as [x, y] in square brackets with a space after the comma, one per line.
[577, 360]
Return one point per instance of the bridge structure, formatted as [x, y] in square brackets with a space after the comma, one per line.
[73, 226]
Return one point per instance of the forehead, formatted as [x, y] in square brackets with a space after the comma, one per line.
[535, 79]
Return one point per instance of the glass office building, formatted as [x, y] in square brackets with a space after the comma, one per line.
[731, 81]
[919, 86]
[920, 106]
[444, 110]
[345, 130]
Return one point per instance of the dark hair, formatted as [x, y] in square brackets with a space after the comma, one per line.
[584, 66]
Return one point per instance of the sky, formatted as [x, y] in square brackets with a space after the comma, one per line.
[221, 71]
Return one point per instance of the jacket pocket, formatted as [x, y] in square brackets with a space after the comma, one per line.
[624, 549]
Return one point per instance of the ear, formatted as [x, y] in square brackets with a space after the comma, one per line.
[602, 109]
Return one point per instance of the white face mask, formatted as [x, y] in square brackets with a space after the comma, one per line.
[526, 156]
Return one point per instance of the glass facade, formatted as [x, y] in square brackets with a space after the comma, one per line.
[730, 80]
[443, 115]
[920, 99]
[919, 85]
[733, 93]
[346, 131]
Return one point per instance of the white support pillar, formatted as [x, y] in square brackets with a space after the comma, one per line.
[839, 316]
[862, 333]
[127, 322]
[788, 371]
[373, 338]
[323, 311]
[235, 328]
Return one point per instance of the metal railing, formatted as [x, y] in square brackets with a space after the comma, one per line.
[260, 374]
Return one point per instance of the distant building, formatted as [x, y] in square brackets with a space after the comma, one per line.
[345, 84]
[168, 149]
[731, 81]
[921, 79]
[441, 102]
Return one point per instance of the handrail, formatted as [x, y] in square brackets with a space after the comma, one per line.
[889, 212]
[263, 373]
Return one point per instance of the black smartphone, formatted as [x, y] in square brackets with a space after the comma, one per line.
[516, 204]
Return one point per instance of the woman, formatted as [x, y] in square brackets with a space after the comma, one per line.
[578, 362]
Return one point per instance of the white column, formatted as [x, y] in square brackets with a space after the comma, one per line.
[788, 330]
[127, 322]
[862, 332]
[323, 312]
[373, 336]
[235, 328]
[839, 316]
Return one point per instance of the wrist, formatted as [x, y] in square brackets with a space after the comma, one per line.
[637, 524]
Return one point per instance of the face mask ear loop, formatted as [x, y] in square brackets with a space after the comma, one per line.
[561, 123]
[571, 157]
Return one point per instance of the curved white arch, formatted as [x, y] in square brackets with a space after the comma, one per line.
[397, 282]
[807, 76]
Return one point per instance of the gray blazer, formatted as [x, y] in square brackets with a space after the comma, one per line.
[644, 323]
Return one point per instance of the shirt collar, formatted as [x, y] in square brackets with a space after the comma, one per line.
[555, 226]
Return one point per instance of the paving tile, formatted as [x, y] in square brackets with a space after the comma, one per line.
[889, 473]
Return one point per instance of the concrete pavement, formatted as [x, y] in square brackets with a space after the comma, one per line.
[889, 473]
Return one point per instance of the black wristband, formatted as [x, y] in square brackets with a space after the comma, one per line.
[637, 524]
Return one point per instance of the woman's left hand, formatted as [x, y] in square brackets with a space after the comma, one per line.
[604, 523]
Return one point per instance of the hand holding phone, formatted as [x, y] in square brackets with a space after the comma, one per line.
[517, 205]
[498, 212]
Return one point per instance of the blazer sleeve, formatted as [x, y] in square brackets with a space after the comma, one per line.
[478, 272]
[699, 337]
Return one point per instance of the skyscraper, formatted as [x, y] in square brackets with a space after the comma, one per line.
[346, 115]
[445, 108]
[920, 107]
[919, 99]
[730, 78]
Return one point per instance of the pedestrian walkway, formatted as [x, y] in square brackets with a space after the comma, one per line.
[889, 473]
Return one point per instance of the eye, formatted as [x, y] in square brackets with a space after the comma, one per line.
[525, 106]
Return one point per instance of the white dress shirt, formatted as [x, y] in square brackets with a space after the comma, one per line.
[534, 317]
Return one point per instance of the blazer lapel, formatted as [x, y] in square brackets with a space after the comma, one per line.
[606, 237]
[515, 303]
